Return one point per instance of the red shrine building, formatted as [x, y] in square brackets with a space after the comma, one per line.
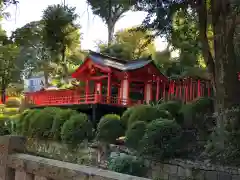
[105, 80]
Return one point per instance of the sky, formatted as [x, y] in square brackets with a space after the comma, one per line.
[93, 28]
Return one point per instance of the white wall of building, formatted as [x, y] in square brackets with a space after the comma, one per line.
[34, 84]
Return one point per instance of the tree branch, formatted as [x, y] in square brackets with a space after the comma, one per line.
[202, 15]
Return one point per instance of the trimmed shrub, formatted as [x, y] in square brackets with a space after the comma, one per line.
[172, 107]
[135, 133]
[110, 128]
[186, 115]
[147, 114]
[22, 124]
[198, 114]
[126, 115]
[11, 111]
[77, 129]
[203, 105]
[127, 164]
[40, 125]
[161, 139]
[13, 102]
[59, 120]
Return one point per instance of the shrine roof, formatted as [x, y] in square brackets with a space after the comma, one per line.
[116, 63]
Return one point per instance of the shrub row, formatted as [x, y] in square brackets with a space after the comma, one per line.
[157, 130]
[56, 124]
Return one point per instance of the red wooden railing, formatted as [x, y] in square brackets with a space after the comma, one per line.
[73, 97]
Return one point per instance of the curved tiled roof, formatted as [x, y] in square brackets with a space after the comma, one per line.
[122, 65]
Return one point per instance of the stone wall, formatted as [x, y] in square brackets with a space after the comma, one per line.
[188, 170]
[173, 170]
[15, 164]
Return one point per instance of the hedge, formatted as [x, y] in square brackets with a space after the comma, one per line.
[135, 133]
[59, 119]
[146, 113]
[110, 128]
[161, 139]
[77, 129]
[41, 123]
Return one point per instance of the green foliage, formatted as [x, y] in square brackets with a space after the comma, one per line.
[109, 128]
[3, 128]
[130, 44]
[22, 124]
[203, 105]
[13, 102]
[77, 129]
[172, 107]
[11, 111]
[110, 13]
[59, 119]
[10, 67]
[40, 125]
[147, 114]
[199, 114]
[128, 165]
[161, 139]
[126, 115]
[60, 32]
[135, 133]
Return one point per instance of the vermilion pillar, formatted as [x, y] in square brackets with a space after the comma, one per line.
[86, 90]
[125, 90]
[198, 89]
[191, 90]
[157, 91]
[109, 88]
[148, 92]
[98, 91]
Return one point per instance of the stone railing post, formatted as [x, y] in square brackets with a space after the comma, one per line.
[9, 145]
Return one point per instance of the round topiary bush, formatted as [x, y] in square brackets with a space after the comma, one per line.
[134, 134]
[126, 115]
[186, 116]
[127, 164]
[22, 124]
[161, 139]
[77, 129]
[203, 105]
[59, 119]
[172, 107]
[13, 102]
[41, 123]
[147, 114]
[110, 128]
[11, 111]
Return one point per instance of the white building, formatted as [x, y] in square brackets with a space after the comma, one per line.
[34, 83]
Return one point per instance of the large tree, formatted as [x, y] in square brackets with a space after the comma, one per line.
[130, 44]
[222, 16]
[60, 32]
[34, 54]
[110, 11]
[9, 69]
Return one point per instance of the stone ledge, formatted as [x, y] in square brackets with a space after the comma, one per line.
[62, 170]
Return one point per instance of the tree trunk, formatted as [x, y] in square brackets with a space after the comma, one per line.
[110, 32]
[65, 68]
[3, 96]
[227, 84]
[221, 65]
[46, 78]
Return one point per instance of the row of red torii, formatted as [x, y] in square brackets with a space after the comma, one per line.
[108, 80]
